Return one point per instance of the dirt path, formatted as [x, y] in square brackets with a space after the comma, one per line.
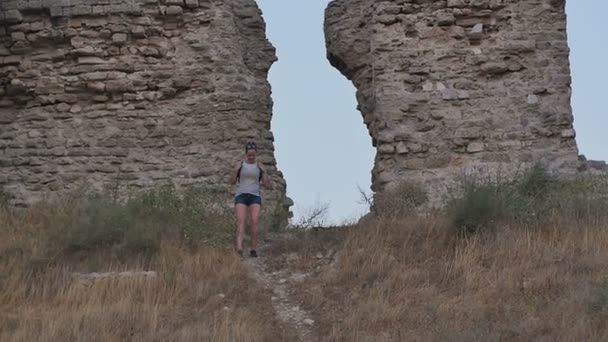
[286, 309]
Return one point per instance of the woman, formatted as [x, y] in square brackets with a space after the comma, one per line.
[248, 175]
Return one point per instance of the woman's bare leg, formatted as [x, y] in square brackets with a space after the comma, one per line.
[255, 214]
[241, 215]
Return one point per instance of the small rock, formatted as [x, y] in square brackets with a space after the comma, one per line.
[221, 295]
[18, 35]
[291, 257]
[118, 86]
[100, 98]
[494, 68]
[475, 147]
[91, 60]
[138, 31]
[449, 94]
[34, 134]
[298, 277]
[458, 32]
[319, 255]
[308, 322]
[99, 87]
[463, 95]
[75, 109]
[496, 4]
[479, 3]
[119, 38]
[445, 18]
[568, 133]
[63, 107]
[386, 149]
[532, 99]
[282, 281]
[13, 16]
[174, 10]
[402, 148]
[476, 32]
[16, 87]
[191, 3]
[456, 3]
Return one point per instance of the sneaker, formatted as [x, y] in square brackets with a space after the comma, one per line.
[253, 253]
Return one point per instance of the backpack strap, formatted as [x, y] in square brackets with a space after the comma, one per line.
[238, 174]
[261, 172]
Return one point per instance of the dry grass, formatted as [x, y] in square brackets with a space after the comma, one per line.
[39, 301]
[416, 280]
[530, 266]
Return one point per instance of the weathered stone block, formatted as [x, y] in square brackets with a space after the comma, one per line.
[174, 2]
[13, 16]
[174, 11]
[118, 86]
[91, 60]
[456, 3]
[119, 38]
[191, 3]
[476, 32]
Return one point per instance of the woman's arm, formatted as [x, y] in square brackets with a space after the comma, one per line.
[265, 179]
[234, 174]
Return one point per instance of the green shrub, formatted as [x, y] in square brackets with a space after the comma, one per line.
[87, 222]
[480, 207]
[401, 201]
[597, 307]
[530, 199]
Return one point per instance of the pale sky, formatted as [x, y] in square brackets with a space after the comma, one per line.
[322, 145]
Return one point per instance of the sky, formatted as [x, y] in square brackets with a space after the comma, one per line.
[322, 145]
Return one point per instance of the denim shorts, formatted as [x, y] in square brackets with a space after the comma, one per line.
[248, 199]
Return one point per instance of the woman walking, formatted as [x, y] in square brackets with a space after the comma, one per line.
[249, 176]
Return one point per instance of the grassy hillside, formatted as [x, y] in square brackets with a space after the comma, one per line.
[505, 260]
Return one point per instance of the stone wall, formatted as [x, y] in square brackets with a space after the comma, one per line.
[132, 92]
[457, 86]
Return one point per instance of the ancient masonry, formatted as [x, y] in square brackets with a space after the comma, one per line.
[457, 86]
[136, 92]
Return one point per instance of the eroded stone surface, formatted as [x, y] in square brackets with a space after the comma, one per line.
[458, 86]
[134, 92]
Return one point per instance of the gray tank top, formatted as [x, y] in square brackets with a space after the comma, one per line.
[249, 180]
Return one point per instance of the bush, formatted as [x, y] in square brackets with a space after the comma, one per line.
[597, 307]
[87, 222]
[401, 201]
[480, 206]
[531, 199]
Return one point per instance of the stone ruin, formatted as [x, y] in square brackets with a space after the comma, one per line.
[133, 92]
[140, 92]
[453, 87]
